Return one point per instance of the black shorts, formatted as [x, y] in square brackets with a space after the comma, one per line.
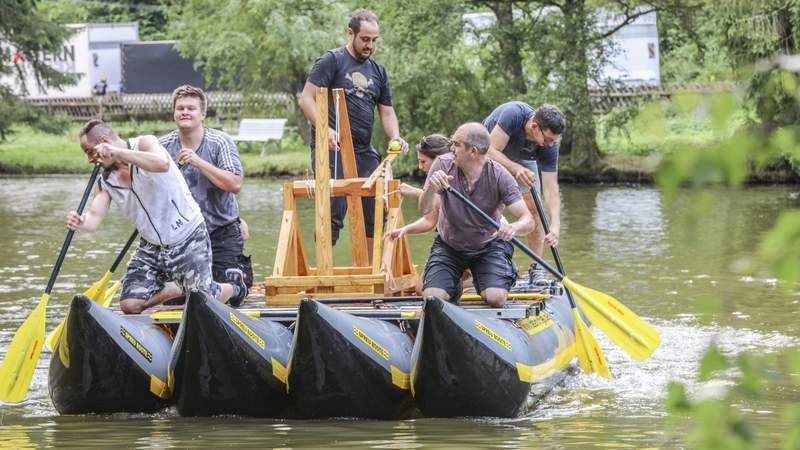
[366, 163]
[227, 248]
[491, 266]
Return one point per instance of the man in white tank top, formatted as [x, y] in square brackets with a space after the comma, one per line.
[144, 182]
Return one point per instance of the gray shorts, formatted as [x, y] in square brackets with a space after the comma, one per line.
[187, 263]
[533, 167]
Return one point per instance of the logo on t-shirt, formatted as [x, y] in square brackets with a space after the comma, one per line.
[361, 85]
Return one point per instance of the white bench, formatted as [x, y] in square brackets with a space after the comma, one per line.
[260, 130]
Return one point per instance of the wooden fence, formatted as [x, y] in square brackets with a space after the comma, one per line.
[226, 105]
[233, 105]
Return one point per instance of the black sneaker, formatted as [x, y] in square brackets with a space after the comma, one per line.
[537, 276]
[236, 279]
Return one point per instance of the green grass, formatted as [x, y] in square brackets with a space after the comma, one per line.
[29, 151]
[622, 133]
[619, 134]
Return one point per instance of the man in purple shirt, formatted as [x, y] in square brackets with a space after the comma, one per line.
[465, 240]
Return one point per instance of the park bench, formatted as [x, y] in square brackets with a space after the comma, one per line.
[260, 130]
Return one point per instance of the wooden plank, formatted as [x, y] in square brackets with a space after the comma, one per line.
[300, 249]
[355, 211]
[322, 222]
[370, 182]
[345, 270]
[285, 239]
[377, 242]
[340, 188]
[312, 281]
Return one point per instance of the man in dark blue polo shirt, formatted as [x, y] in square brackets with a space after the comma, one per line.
[366, 85]
[521, 137]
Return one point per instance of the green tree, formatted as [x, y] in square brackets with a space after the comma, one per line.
[563, 44]
[436, 80]
[719, 423]
[26, 38]
[259, 46]
[149, 14]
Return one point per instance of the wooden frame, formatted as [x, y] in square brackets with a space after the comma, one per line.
[391, 270]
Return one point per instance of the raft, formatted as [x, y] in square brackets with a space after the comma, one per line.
[106, 363]
[348, 366]
[369, 358]
[225, 362]
[464, 364]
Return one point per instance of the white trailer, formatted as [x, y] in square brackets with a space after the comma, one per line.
[91, 53]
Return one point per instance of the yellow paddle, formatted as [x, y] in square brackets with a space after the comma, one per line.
[635, 336]
[99, 292]
[590, 355]
[22, 355]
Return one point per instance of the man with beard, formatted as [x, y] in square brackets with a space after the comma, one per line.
[366, 84]
[145, 183]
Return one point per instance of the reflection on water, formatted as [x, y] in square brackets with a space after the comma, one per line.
[629, 220]
[626, 241]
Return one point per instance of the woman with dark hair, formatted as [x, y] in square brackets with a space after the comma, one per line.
[428, 149]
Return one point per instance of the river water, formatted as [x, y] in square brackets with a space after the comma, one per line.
[654, 255]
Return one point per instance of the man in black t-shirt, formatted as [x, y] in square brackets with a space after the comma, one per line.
[366, 85]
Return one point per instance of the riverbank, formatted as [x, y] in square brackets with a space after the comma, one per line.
[630, 157]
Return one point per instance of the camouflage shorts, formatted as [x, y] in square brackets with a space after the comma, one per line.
[187, 263]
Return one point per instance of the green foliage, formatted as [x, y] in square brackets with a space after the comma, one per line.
[781, 246]
[23, 29]
[149, 14]
[29, 151]
[268, 49]
[434, 83]
[717, 422]
[713, 361]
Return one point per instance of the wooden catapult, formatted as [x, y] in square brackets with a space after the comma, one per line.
[391, 271]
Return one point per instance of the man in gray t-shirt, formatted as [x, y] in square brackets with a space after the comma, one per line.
[209, 161]
[465, 240]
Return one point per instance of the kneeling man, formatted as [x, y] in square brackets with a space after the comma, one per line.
[465, 240]
[144, 182]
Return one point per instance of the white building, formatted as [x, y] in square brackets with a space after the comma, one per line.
[91, 53]
[633, 56]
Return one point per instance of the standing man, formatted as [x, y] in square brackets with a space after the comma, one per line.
[465, 240]
[521, 137]
[366, 84]
[147, 186]
[209, 161]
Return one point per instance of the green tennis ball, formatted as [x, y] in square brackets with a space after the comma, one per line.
[394, 146]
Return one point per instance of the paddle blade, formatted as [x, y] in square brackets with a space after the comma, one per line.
[110, 292]
[635, 336]
[94, 293]
[98, 290]
[23, 355]
[590, 356]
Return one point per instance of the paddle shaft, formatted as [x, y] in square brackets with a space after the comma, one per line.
[124, 251]
[546, 227]
[71, 233]
[515, 241]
